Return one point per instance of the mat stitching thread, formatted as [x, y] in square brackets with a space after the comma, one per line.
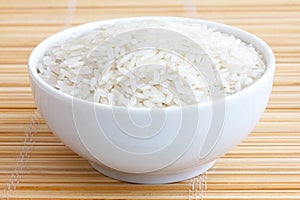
[29, 134]
[23, 157]
[198, 186]
[70, 13]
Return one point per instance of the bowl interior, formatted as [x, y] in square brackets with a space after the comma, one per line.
[249, 38]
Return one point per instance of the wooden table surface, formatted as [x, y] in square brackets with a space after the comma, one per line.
[35, 164]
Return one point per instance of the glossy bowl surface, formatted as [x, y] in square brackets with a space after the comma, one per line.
[187, 144]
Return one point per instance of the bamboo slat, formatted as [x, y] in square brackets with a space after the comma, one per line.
[266, 165]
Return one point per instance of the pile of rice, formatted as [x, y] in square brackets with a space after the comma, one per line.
[118, 72]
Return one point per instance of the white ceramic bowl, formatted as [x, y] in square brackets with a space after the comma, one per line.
[181, 149]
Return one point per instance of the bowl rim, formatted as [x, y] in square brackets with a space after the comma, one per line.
[35, 55]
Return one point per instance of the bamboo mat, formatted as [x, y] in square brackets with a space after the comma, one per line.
[35, 164]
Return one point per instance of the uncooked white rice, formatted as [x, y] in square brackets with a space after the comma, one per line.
[82, 65]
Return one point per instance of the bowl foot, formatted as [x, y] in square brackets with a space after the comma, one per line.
[152, 178]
